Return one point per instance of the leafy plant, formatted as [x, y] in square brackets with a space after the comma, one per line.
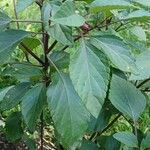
[79, 71]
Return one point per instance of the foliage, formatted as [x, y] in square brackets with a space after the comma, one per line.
[80, 68]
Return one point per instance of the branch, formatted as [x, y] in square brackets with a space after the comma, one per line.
[31, 53]
[94, 135]
[52, 46]
[84, 33]
[27, 21]
[142, 83]
[16, 16]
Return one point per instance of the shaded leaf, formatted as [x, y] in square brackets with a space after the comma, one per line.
[146, 142]
[27, 72]
[8, 42]
[32, 105]
[13, 127]
[13, 96]
[108, 142]
[88, 145]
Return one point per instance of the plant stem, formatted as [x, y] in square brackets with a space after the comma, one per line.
[96, 26]
[142, 83]
[17, 23]
[31, 53]
[94, 135]
[52, 46]
[27, 21]
[45, 40]
[42, 131]
[16, 16]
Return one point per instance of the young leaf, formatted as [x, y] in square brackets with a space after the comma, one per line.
[66, 15]
[142, 63]
[13, 127]
[68, 112]
[13, 96]
[90, 75]
[23, 4]
[127, 138]
[146, 142]
[8, 42]
[105, 5]
[32, 105]
[116, 50]
[127, 98]
[4, 20]
[62, 34]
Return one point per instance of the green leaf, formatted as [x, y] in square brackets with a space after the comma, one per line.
[88, 145]
[49, 8]
[139, 33]
[116, 50]
[8, 42]
[104, 117]
[4, 91]
[66, 15]
[4, 20]
[46, 11]
[31, 42]
[23, 4]
[32, 105]
[127, 98]
[127, 138]
[13, 96]
[90, 76]
[13, 127]
[31, 144]
[60, 58]
[27, 72]
[68, 112]
[108, 143]
[62, 34]
[146, 142]
[138, 15]
[142, 62]
[143, 2]
[106, 5]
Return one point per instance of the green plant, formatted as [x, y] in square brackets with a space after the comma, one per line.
[78, 74]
